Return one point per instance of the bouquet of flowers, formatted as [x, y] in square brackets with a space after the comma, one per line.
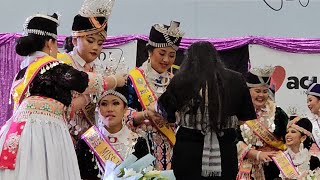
[133, 169]
[311, 175]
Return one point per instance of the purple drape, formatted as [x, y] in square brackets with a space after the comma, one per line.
[9, 66]
[10, 61]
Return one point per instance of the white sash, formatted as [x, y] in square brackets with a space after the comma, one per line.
[316, 131]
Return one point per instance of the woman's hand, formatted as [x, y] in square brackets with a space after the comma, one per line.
[153, 115]
[121, 79]
[266, 156]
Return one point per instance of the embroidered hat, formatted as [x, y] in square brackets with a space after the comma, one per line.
[259, 76]
[120, 92]
[92, 18]
[162, 35]
[314, 89]
[43, 25]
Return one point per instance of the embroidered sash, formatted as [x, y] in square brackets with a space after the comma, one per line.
[285, 165]
[11, 145]
[245, 167]
[146, 97]
[101, 147]
[265, 134]
[20, 88]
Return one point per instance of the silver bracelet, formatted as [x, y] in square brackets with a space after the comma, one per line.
[258, 155]
[115, 81]
[87, 98]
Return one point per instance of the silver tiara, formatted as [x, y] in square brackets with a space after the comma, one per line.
[265, 71]
[96, 8]
[115, 93]
[172, 30]
[111, 65]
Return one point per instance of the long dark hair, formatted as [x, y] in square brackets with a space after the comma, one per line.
[27, 45]
[202, 70]
[67, 44]
[31, 43]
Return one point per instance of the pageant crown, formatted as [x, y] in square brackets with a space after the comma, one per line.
[96, 8]
[172, 30]
[112, 66]
[292, 111]
[265, 71]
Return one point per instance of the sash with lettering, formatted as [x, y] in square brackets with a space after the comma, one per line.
[89, 109]
[265, 134]
[285, 165]
[101, 147]
[11, 144]
[146, 97]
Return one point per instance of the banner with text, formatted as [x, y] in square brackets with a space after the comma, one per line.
[292, 76]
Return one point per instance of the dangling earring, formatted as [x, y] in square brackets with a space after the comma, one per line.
[149, 60]
[50, 52]
[301, 146]
[123, 121]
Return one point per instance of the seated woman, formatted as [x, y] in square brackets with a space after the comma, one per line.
[112, 106]
[298, 141]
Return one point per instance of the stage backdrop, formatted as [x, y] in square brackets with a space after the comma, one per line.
[119, 56]
[234, 53]
[292, 76]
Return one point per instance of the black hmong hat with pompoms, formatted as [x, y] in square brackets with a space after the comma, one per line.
[165, 36]
[42, 25]
[92, 18]
[257, 77]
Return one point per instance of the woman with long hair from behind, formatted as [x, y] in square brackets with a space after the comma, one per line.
[209, 99]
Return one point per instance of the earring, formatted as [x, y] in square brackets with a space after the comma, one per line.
[301, 146]
[123, 121]
[50, 52]
[149, 60]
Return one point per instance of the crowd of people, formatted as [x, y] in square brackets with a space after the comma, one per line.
[205, 122]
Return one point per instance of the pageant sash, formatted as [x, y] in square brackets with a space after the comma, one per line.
[65, 57]
[316, 132]
[146, 97]
[285, 165]
[265, 134]
[20, 89]
[102, 149]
